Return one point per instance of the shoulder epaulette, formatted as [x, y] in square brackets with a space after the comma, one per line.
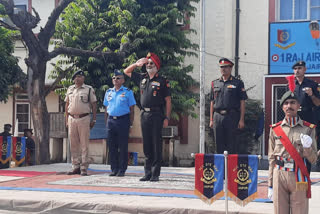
[310, 125]
[276, 124]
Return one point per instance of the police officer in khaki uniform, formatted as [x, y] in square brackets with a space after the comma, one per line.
[291, 142]
[80, 99]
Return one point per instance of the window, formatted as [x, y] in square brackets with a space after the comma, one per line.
[278, 91]
[298, 10]
[22, 111]
[23, 116]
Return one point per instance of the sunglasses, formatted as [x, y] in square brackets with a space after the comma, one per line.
[116, 78]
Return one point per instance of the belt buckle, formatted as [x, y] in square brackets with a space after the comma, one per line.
[147, 109]
[114, 118]
[223, 112]
[288, 165]
[76, 116]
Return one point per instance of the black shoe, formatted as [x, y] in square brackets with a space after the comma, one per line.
[120, 174]
[84, 173]
[113, 174]
[145, 178]
[74, 172]
[154, 178]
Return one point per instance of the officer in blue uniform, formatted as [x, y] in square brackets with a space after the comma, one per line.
[119, 102]
[307, 92]
[155, 99]
[227, 108]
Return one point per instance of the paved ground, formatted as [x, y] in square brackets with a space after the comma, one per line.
[47, 189]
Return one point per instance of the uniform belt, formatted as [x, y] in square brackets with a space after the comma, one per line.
[79, 115]
[118, 117]
[152, 109]
[285, 164]
[224, 112]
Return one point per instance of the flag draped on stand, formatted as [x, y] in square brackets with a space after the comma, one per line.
[242, 178]
[209, 171]
[19, 150]
[5, 152]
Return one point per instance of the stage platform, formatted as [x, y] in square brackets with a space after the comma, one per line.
[47, 189]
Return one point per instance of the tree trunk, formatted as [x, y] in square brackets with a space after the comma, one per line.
[39, 110]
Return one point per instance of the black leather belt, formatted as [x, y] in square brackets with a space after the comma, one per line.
[118, 117]
[151, 109]
[79, 115]
[224, 112]
[286, 164]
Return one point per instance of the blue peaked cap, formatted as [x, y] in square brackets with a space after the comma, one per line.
[116, 72]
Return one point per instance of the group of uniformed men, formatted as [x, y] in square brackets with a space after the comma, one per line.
[155, 100]
[292, 141]
[292, 144]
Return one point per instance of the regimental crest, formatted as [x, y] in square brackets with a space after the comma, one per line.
[243, 175]
[284, 36]
[208, 174]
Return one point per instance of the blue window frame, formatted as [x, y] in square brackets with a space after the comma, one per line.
[298, 10]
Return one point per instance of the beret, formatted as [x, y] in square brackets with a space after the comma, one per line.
[299, 63]
[79, 72]
[288, 95]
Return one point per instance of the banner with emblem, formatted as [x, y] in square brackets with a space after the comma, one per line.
[209, 171]
[242, 178]
[19, 150]
[5, 152]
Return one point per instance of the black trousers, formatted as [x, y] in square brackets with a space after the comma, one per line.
[118, 135]
[151, 126]
[225, 129]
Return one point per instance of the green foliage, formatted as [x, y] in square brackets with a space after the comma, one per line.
[10, 72]
[147, 25]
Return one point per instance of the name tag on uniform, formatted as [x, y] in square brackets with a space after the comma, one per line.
[288, 165]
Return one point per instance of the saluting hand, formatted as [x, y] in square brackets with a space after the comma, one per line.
[141, 62]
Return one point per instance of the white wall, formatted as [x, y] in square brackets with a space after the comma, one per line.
[220, 42]
[44, 8]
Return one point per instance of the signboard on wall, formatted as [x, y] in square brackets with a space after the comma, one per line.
[289, 43]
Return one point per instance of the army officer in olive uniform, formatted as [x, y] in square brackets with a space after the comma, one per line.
[291, 142]
[227, 108]
[155, 99]
[80, 100]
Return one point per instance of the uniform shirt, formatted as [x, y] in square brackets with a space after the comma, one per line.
[119, 102]
[227, 94]
[5, 134]
[304, 99]
[152, 91]
[276, 148]
[78, 99]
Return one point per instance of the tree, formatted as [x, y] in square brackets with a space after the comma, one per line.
[9, 69]
[38, 56]
[147, 25]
